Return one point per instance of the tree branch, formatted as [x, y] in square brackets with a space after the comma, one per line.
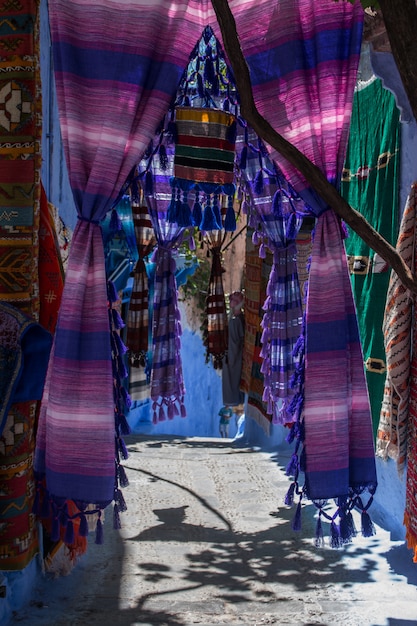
[311, 172]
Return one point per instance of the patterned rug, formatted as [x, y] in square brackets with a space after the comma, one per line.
[256, 279]
[20, 162]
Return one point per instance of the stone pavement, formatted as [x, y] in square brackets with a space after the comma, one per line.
[207, 540]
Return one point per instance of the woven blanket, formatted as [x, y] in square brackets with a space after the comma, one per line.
[257, 272]
[215, 336]
[370, 185]
[392, 435]
[336, 402]
[410, 514]
[20, 156]
[18, 526]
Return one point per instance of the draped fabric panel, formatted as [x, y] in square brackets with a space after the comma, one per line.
[116, 72]
[303, 77]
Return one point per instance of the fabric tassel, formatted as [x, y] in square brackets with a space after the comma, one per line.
[120, 500]
[197, 212]
[292, 466]
[347, 527]
[184, 217]
[216, 211]
[115, 222]
[122, 448]
[277, 204]
[124, 425]
[99, 532]
[335, 541]
[230, 219]
[319, 540]
[126, 397]
[289, 497]
[69, 533]
[121, 367]
[120, 346]
[183, 411]
[231, 132]
[170, 411]
[292, 229]
[148, 183]
[163, 158]
[116, 518]
[172, 208]
[258, 184]
[112, 294]
[209, 221]
[262, 251]
[367, 526]
[121, 473]
[161, 414]
[83, 528]
[117, 321]
[296, 522]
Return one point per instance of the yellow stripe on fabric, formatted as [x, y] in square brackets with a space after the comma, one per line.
[207, 116]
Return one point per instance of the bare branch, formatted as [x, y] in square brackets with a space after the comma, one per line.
[311, 172]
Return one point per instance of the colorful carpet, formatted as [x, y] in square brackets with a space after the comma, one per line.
[256, 279]
[20, 162]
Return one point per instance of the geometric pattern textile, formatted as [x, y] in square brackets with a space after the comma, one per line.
[20, 155]
[18, 527]
[392, 434]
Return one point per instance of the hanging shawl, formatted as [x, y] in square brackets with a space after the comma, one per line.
[397, 327]
[315, 44]
[113, 88]
[276, 222]
[167, 384]
[138, 313]
[216, 324]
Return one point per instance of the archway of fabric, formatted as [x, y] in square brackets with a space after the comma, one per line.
[116, 74]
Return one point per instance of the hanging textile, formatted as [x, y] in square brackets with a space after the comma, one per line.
[167, 383]
[370, 184]
[257, 271]
[137, 339]
[51, 271]
[286, 73]
[215, 334]
[341, 464]
[127, 72]
[21, 336]
[393, 433]
[408, 429]
[276, 223]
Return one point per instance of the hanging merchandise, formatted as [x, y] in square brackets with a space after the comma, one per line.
[370, 184]
[204, 131]
[215, 327]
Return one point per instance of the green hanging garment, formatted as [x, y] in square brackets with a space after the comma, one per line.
[370, 183]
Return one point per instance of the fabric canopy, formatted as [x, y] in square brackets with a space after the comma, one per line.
[116, 73]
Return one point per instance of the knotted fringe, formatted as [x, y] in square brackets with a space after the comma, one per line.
[207, 217]
[168, 408]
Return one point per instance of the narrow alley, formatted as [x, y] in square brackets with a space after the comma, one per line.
[207, 540]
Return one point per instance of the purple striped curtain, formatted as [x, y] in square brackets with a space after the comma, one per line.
[117, 66]
[303, 76]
